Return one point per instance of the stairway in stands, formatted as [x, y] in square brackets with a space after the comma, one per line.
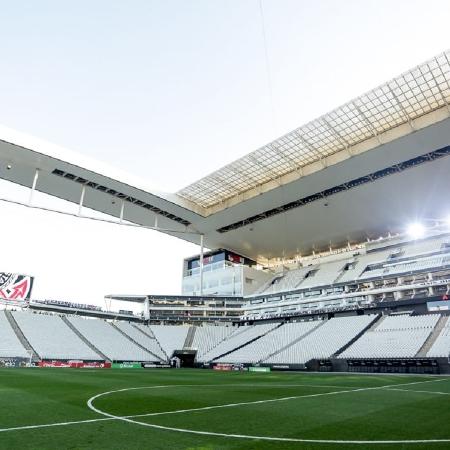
[23, 340]
[422, 353]
[88, 343]
[189, 338]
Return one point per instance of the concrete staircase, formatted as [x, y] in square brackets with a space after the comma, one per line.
[189, 338]
[23, 340]
[88, 343]
[422, 353]
[133, 341]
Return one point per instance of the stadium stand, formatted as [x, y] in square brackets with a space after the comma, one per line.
[358, 264]
[322, 275]
[170, 338]
[207, 337]
[441, 346]
[54, 337]
[242, 336]
[51, 338]
[399, 336]
[401, 267]
[424, 247]
[10, 345]
[110, 341]
[323, 342]
[142, 339]
[270, 343]
[286, 281]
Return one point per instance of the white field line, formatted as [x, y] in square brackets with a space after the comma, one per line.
[30, 427]
[129, 418]
[230, 405]
[56, 424]
[267, 438]
[419, 392]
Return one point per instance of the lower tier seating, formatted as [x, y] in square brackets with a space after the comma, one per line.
[170, 338]
[10, 346]
[326, 340]
[441, 346]
[270, 343]
[241, 336]
[110, 341]
[51, 338]
[399, 336]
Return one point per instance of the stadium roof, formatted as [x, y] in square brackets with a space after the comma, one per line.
[399, 101]
[357, 172]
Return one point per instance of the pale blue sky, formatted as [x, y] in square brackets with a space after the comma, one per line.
[171, 90]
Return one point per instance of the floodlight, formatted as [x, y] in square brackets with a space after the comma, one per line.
[416, 230]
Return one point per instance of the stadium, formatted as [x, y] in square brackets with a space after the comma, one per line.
[311, 317]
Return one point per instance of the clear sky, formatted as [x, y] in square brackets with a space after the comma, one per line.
[171, 90]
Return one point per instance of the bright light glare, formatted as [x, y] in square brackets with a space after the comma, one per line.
[416, 230]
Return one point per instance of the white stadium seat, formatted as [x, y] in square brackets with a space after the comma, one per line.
[51, 338]
[10, 345]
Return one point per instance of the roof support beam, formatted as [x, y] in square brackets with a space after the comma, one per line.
[80, 204]
[33, 186]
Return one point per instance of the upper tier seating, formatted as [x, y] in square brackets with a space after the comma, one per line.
[151, 344]
[360, 262]
[323, 342]
[207, 337]
[51, 338]
[270, 343]
[325, 275]
[110, 341]
[286, 281]
[423, 247]
[399, 336]
[10, 346]
[388, 263]
[170, 338]
[393, 268]
[240, 337]
[441, 346]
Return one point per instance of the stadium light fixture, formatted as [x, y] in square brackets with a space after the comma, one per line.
[416, 230]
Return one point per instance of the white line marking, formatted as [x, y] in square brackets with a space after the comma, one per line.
[420, 392]
[110, 417]
[58, 424]
[264, 438]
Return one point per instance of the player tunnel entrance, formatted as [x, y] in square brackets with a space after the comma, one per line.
[186, 357]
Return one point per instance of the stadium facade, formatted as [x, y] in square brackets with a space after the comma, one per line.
[308, 259]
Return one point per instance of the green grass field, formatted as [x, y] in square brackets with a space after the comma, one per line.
[231, 406]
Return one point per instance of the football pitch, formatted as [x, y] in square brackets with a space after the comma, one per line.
[203, 409]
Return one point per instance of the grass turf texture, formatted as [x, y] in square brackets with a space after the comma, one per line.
[47, 396]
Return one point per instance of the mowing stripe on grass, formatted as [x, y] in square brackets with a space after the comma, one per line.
[110, 417]
[59, 424]
[265, 438]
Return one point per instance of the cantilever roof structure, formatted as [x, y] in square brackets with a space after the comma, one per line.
[399, 101]
[358, 172]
